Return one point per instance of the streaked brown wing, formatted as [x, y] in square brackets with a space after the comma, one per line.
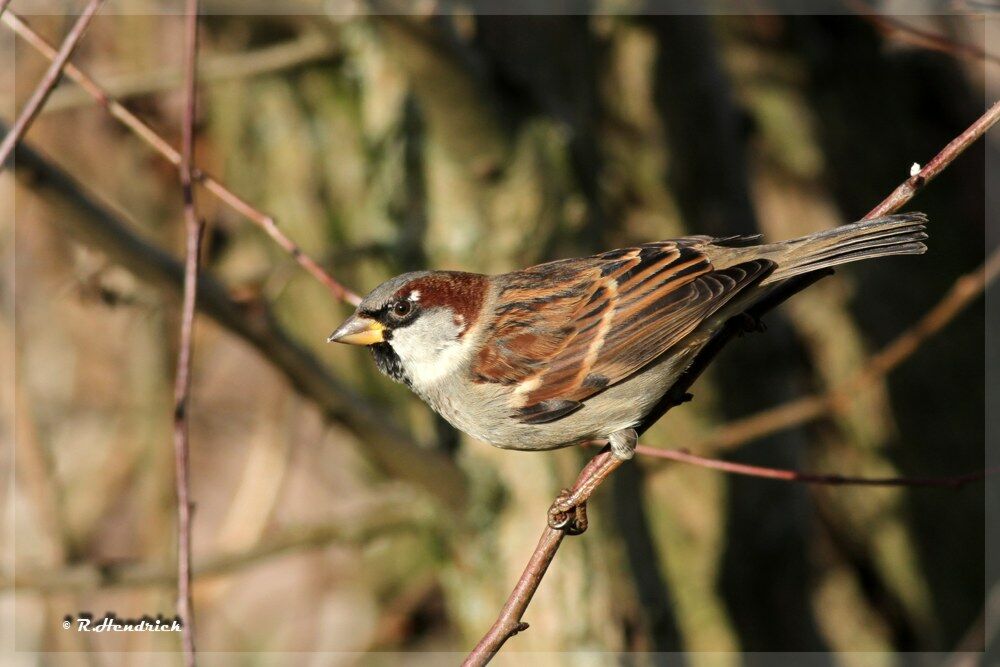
[609, 319]
[539, 320]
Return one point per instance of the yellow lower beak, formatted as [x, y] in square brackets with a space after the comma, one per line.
[358, 330]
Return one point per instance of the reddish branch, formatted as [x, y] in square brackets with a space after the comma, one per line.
[684, 456]
[49, 80]
[160, 145]
[509, 621]
[182, 383]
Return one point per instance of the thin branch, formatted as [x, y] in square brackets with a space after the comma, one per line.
[49, 80]
[509, 621]
[182, 382]
[904, 193]
[893, 27]
[684, 456]
[802, 410]
[160, 145]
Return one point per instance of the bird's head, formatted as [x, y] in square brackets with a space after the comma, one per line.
[416, 324]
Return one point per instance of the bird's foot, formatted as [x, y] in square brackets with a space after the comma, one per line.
[568, 515]
[569, 511]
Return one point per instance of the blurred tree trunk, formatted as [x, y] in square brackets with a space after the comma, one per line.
[765, 567]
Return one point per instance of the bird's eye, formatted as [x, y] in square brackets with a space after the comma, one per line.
[401, 309]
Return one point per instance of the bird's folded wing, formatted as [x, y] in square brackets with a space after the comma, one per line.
[603, 319]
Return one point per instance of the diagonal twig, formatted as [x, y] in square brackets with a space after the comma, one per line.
[49, 80]
[908, 188]
[802, 410]
[895, 28]
[160, 145]
[182, 382]
[963, 291]
[509, 622]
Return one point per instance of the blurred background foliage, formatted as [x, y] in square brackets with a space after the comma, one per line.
[486, 143]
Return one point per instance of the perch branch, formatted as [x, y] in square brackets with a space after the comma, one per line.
[94, 224]
[509, 621]
[160, 145]
[49, 80]
[182, 381]
[908, 188]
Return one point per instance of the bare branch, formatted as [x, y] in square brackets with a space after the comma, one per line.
[905, 192]
[49, 80]
[509, 621]
[182, 382]
[160, 145]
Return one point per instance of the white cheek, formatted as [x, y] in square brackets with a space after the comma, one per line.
[428, 367]
[430, 349]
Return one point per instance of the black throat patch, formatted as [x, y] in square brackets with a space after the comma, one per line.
[388, 362]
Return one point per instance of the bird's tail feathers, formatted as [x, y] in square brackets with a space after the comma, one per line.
[901, 234]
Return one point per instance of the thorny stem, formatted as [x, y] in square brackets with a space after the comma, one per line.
[182, 384]
[49, 80]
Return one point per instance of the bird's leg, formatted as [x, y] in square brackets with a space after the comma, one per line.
[623, 443]
[569, 511]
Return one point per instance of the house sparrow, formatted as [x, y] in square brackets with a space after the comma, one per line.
[583, 349]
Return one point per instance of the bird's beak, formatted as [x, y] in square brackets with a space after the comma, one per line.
[358, 330]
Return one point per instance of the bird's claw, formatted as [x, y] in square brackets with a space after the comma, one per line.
[572, 519]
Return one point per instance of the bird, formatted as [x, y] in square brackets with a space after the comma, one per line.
[584, 349]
